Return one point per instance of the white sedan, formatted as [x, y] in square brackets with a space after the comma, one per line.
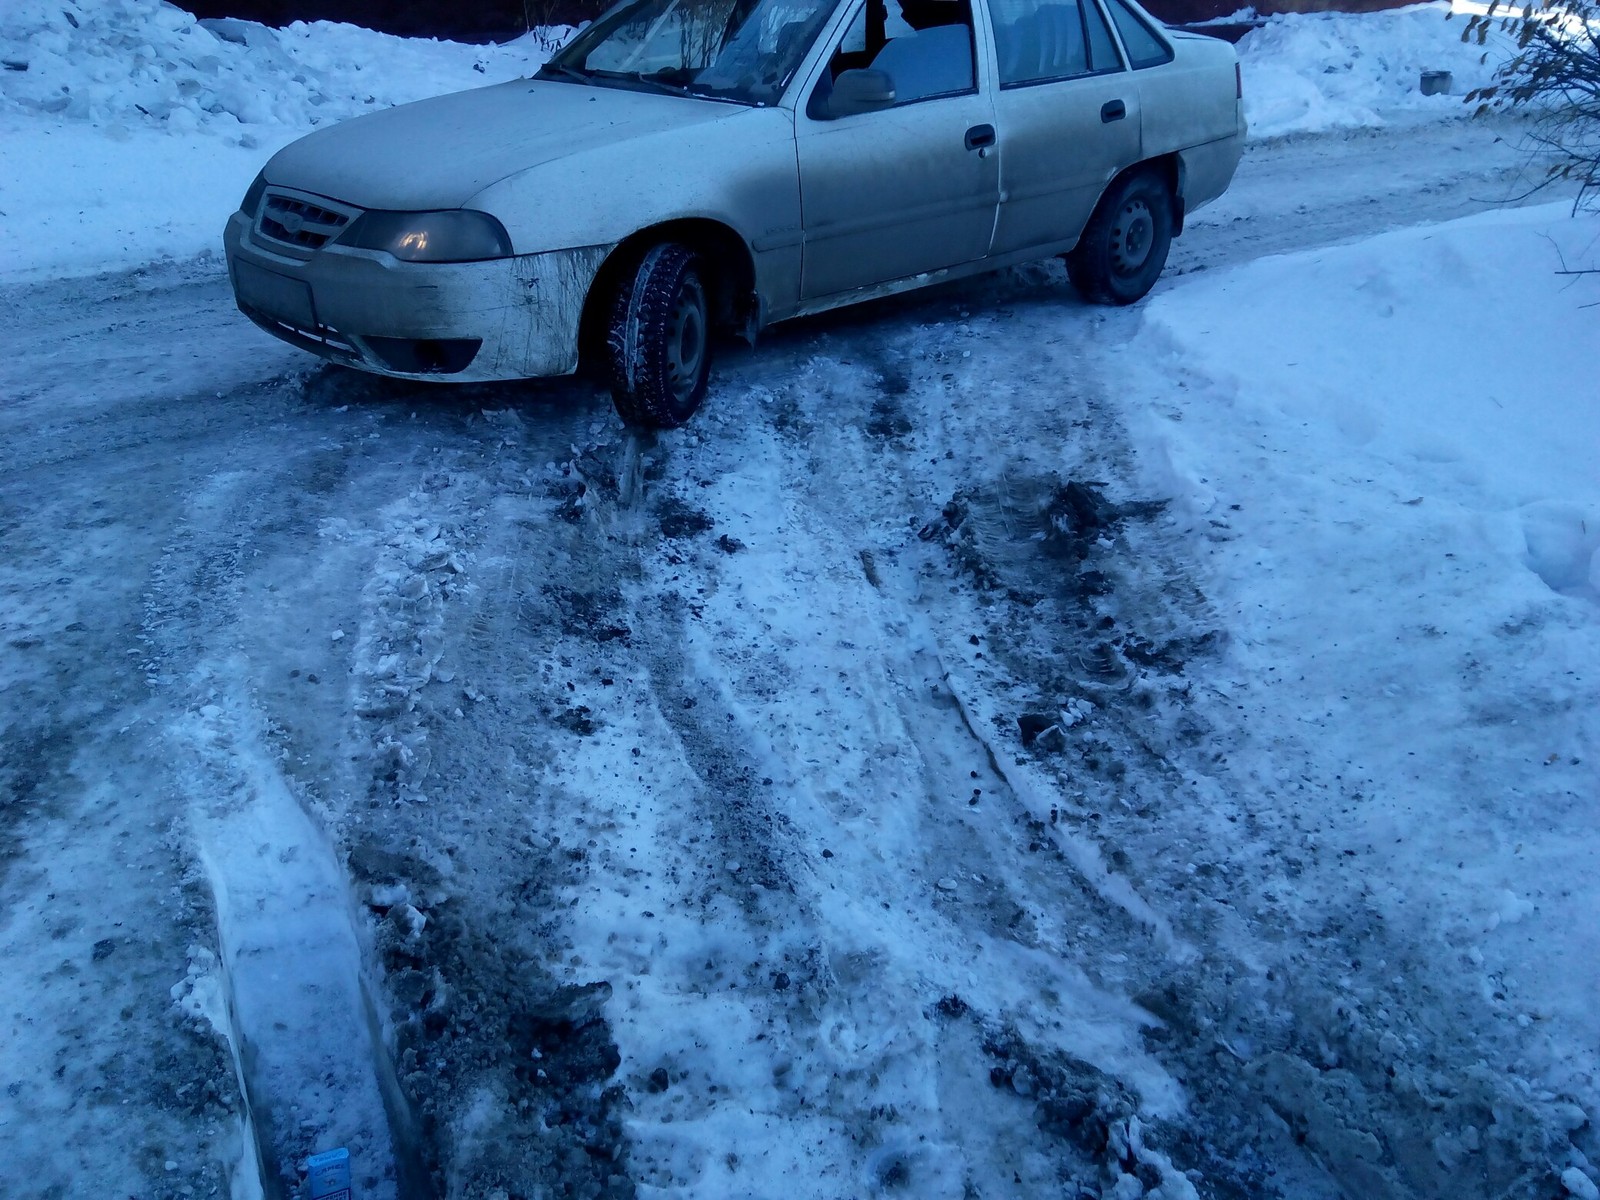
[689, 169]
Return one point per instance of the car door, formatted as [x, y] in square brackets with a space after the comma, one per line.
[907, 188]
[1067, 113]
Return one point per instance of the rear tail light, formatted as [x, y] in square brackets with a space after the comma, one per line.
[1238, 82]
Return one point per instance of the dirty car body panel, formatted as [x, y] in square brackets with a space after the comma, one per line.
[475, 236]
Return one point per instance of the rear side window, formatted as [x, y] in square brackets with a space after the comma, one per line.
[1056, 39]
[1102, 50]
[1144, 48]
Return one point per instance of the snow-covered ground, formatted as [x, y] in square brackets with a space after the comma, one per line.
[1002, 748]
[1395, 509]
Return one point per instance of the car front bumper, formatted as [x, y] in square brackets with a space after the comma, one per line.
[505, 318]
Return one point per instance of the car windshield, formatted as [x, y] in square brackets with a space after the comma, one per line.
[739, 50]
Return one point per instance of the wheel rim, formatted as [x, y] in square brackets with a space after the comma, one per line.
[1132, 235]
[686, 340]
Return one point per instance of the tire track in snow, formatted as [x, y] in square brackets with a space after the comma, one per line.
[117, 1054]
[297, 998]
[290, 950]
[733, 781]
[797, 1011]
[861, 578]
[484, 607]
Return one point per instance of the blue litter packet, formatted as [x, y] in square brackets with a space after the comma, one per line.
[329, 1175]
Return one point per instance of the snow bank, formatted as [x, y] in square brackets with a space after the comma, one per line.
[129, 130]
[145, 61]
[1307, 73]
[77, 198]
[1390, 452]
[1454, 349]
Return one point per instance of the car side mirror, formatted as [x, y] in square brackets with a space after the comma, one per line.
[860, 91]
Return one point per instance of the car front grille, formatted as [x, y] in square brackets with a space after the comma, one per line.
[299, 223]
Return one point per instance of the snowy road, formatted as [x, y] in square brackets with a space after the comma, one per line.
[813, 802]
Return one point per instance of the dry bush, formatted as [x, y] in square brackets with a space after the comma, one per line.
[1554, 75]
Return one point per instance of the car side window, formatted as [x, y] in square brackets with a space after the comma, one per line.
[925, 46]
[1039, 41]
[1145, 48]
[1103, 54]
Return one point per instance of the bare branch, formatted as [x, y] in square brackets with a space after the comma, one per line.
[1554, 74]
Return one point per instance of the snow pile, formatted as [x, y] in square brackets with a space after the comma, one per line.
[1306, 73]
[129, 130]
[1411, 354]
[1391, 455]
[1427, 365]
[147, 61]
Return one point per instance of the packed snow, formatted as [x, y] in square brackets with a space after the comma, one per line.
[1001, 748]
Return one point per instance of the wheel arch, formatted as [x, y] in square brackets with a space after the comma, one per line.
[1166, 167]
[730, 277]
[1170, 168]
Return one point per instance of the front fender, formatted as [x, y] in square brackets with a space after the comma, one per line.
[740, 172]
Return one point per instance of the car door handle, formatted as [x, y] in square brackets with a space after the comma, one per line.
[1112, 110]
[980, 136]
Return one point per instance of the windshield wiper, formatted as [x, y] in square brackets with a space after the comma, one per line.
[654, 82]
[657, 80]
[553, 71]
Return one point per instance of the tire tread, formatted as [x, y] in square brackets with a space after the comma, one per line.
[636, 359]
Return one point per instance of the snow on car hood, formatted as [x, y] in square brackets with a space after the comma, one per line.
[439, 153]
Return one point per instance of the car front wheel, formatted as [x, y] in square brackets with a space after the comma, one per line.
[1124, 246]
[659, 340]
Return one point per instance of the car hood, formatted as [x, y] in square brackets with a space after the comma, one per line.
[439, 153]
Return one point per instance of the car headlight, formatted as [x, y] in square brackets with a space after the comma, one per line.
[456, 235]
[252, 198]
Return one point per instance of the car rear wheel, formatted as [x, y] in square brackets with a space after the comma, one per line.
[658, 345]
[1124, 246]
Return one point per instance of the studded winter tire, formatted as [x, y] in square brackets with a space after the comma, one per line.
[659, 340]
